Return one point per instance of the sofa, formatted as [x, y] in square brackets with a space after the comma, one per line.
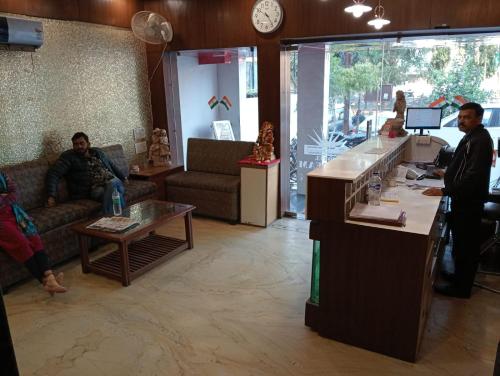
[211, 181]
[54, 224]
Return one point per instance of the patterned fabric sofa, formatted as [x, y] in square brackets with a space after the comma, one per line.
[212, 180]
[54, 223]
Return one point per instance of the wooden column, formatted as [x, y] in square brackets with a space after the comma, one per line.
[157, 86]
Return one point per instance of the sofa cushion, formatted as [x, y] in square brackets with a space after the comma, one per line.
[138, 188]
[47, 219]
[29, 178]
[117, 156]
[204, 181]
[92, 206]
[217, 156]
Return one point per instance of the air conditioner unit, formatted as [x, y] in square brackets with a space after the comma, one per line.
[20, 32]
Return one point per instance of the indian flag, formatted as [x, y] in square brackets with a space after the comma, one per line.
[459, 101]
[213, 102]
[440, 102]
[226, 102]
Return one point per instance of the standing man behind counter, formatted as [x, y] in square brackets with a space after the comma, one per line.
[89, 173]
[466, 181]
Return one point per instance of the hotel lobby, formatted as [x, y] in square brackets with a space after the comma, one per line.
[239, 298]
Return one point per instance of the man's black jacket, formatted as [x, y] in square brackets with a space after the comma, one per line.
[467, 178]
[75, 168]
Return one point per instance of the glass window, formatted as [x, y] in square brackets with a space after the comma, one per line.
[338, 88]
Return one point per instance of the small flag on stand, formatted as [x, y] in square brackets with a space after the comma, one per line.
[459, 101]
[226, 102]
[213, 102]
[440, 102]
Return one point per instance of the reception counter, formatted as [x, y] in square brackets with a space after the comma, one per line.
[375, 281]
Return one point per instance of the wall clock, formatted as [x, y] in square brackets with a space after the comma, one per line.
[267, 15]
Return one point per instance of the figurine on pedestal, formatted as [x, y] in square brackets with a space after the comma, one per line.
[159, 151]
[394, 127]
[263, 150]
[400, 105]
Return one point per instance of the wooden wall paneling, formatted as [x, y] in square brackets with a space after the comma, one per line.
[317, 19]
[268, 57]
[188, 22]
[232, 26]
[305, 19]
[114, 13]
[405, 15]
[105, 12]
[466, 13]
[157, 87]
[55, 9]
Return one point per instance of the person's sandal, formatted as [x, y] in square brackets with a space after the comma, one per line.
[60, 278]
[51, 285]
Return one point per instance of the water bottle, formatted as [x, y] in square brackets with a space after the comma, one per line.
[374, 189]
[117, 204]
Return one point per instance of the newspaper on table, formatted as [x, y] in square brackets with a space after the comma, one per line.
[382, 214]
[113, 224]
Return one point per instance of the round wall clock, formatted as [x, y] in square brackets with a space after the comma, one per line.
[267, 15]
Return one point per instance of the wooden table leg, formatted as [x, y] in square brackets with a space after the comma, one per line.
[189, 229]
[84, 253]
[125, 268]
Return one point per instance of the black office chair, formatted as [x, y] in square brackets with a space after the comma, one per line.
[490, 228]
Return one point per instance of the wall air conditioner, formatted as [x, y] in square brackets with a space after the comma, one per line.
[20, 33]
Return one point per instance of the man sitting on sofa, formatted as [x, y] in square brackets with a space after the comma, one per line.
[89, 174]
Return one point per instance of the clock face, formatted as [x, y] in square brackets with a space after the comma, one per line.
[267, 15]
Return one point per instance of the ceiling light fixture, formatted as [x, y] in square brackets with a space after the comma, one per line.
[358, 8]
[379, 21]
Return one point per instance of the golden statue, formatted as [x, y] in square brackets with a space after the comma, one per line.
[263, 150]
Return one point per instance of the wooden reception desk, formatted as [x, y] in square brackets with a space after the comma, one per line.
[376, 281]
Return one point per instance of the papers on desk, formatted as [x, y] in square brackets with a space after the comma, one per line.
[383, 214]
[426, 183]
[113, 224]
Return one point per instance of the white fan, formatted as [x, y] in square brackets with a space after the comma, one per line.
[151, 28]
[154, 29]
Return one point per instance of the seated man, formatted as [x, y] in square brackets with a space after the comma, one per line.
[89, 174]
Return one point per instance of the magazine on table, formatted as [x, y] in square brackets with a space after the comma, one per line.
[113, 224]
[382, 214]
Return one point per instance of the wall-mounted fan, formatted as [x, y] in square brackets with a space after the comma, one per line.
[154, 29]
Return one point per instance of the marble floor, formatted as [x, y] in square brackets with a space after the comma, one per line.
[233, 305]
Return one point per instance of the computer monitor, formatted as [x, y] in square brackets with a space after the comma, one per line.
[423, 118]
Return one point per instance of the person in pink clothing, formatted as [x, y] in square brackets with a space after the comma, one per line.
[19, 238]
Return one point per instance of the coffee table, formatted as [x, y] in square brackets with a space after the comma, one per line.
[140, 248]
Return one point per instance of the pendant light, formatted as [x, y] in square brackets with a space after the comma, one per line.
[358, 8]
[379, 21]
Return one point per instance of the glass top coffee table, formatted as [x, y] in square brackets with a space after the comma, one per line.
[139, 248]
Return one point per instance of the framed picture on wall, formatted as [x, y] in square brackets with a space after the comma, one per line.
[223, 130]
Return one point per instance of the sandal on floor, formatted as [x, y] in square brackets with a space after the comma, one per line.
[51, 284]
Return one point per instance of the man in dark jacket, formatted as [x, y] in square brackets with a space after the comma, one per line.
[89, 174]
[466, 181]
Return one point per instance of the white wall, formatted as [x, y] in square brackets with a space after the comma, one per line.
[197, 84]
[229, 84]
[249, 109]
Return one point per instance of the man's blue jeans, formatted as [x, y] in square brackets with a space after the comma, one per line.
[104, 193]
